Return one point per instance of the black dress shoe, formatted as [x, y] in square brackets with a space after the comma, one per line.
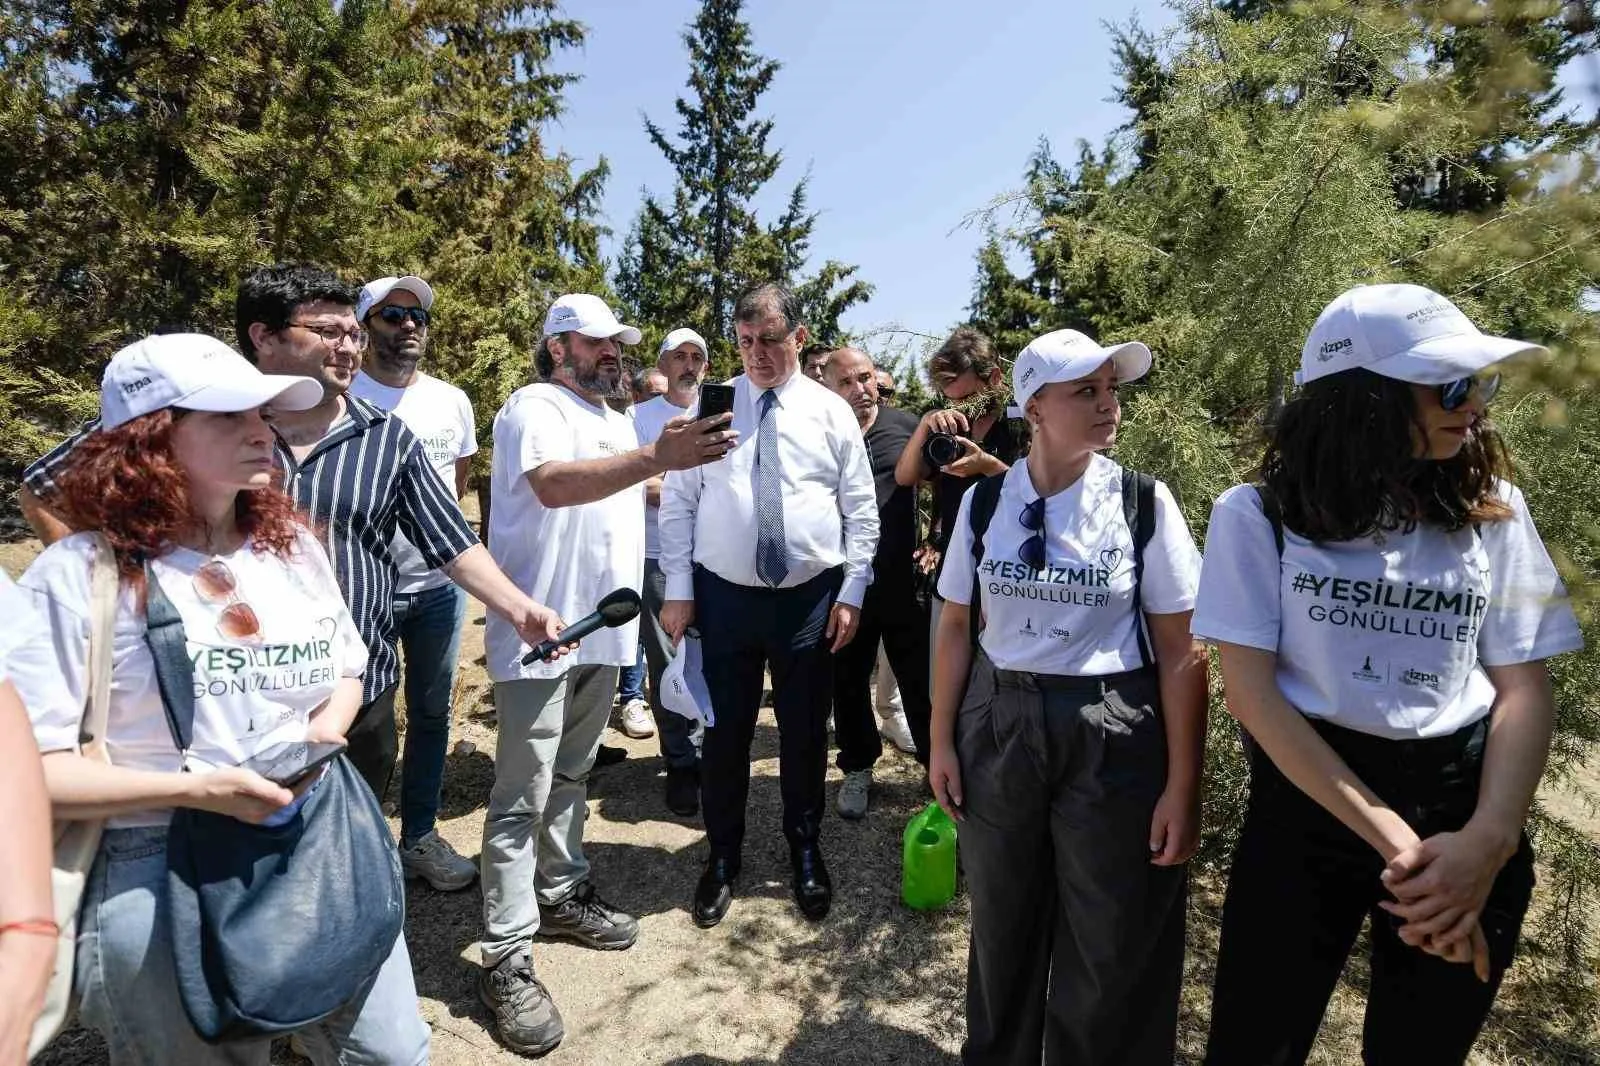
[813, 890]
[714, 893]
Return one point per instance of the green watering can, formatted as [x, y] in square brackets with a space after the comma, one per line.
[928, 870]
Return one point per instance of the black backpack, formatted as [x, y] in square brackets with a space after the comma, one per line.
[1138, 510]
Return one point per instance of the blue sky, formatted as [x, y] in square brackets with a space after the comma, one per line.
[908, 115]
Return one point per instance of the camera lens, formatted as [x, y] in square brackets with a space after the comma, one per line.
[942, 449]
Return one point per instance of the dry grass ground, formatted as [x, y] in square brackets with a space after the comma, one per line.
[874, 983]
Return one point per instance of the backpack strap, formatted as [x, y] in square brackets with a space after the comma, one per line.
[1274, 513]
[169, 647]
[985, 498]
[1139, 511]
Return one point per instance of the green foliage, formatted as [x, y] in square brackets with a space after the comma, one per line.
[1282, 156]
[685, 264]
[152, 152]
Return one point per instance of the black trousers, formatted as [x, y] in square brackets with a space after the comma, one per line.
[375, 742]
[889, 613]
[743, 632]
[1301, 887]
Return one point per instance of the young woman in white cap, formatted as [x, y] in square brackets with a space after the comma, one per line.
[178, 479]
[1383, 607]
[1067, 736]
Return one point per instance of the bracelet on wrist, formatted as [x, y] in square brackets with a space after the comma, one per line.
[32, 927]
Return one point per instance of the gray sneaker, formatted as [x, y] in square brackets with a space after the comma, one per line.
[853, 795]
[436, 862]
[591, 921]
[523, 1010]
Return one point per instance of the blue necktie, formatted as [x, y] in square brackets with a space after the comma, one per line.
[772, 556]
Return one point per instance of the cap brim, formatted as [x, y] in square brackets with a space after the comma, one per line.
[282, 391]
[1440, 360]
[625, 334]
[1132, 360]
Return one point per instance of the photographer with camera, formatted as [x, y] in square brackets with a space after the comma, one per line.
[966, 440]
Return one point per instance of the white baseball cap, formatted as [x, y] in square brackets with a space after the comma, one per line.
[196, 372]
[375, 292]
[1067, 355]
[589, 315]
[683, 684]
[681, 336]
[1405, 332]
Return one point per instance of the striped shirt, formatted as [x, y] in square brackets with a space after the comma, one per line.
[366, 479]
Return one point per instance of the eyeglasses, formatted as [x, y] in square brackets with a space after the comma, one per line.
[215, 584]
[886, 392]
[1452, 394]
[1032, 519]
[394, 314]
[331, 335]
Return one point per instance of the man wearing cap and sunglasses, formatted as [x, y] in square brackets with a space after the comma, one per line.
[428, 607]
[682, 358]
[568, 485]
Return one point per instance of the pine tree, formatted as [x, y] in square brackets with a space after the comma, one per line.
[685, 264]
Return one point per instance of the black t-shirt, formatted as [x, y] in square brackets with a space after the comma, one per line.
[897, 504]
[1005, 441]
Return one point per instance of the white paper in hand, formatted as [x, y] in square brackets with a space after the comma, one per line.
[683, 686]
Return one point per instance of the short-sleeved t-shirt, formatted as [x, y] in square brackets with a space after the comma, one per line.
[1074, 617]
[27, 659]
[567, 558]
[649, 419]
[439, 415]
[897, 504]
[249, 694]
[1386, 635]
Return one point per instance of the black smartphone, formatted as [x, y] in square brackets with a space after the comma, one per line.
[715, 400]
[288, 763]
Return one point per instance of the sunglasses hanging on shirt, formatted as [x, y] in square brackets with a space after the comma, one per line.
[1032, 518]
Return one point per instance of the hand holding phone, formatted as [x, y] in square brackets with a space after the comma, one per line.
[715, 400]
[289, 763]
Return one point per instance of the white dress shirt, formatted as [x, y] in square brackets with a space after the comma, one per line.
[830, 504]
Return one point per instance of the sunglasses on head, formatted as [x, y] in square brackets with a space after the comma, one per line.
[1452, 394]
[393, 314]
[1032, 518]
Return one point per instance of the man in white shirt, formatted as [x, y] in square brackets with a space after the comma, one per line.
[428, 607]
[636, 719]
[682, 360]
[568, 519]
[770, 553]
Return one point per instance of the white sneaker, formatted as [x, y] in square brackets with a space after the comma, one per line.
[436, 862]
[896, 731]
[853, 795]
[636, 720]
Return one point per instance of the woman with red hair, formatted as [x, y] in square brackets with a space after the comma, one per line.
[179, 479]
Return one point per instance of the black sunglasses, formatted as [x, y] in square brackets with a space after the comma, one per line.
[1032, 518]
[394, 314]
[1452, 394]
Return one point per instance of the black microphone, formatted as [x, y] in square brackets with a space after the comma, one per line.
[617, 609]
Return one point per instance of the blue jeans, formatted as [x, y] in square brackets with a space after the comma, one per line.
[128, 991]
[630, 680]
[429, 626]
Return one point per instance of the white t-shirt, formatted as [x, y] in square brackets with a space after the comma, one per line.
[249, 694]
[567, 558]
[649, 419]
[1385, 636]
[27, 658]
[440, 415]
[1075, 617]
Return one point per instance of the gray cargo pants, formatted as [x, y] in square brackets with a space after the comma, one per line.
[1077, 940]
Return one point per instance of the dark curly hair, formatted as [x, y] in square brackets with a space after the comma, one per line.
[1340, 461]
[125, 483]
[272, 294]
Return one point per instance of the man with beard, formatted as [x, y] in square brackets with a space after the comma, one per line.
[682, 360]
[890, 609]
[568, 520]
[428, 608]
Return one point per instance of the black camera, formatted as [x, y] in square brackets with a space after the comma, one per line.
[942, 449]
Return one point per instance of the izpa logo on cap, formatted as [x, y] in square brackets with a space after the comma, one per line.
[561, 313]
[1333, 348]
[1028, 373]
[131, 387]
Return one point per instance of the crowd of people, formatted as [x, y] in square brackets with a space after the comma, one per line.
[1380, 601]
